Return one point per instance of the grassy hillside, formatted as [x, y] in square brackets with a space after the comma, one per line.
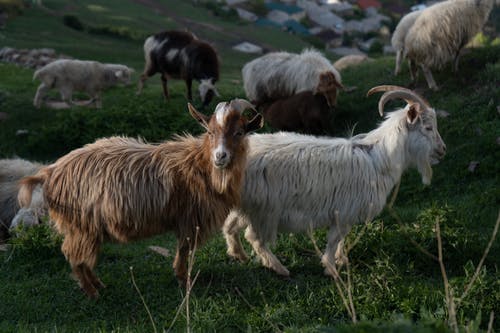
[395, 287]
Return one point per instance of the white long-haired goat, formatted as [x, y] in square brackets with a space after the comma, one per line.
[280, 75]
[295, 183]
[441, 31]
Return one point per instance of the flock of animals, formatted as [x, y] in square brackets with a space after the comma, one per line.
[123, 189]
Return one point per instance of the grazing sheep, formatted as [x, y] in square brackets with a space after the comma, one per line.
[11, 171]
[123, 189]
[399, 35]
[180, 55]
[441, 31]
[304, 112]
[90, 77]
[281, 74]
[296, 183]
[350, 61]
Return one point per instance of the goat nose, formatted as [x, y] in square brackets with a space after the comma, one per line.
[220, 155]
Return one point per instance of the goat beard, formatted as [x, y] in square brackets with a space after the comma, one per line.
[425, 170]
[220, 179]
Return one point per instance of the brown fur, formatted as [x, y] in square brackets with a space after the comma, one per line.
[329, 87]
[303, 112]
[122, 189]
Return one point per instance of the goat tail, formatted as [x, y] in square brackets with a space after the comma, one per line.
[28, 184]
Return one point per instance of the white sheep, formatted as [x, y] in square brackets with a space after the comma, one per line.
[280, 75]
[296, 183]
[441, 31]
[350, 60]
[11, 171]
[399, 35]
[90, 77]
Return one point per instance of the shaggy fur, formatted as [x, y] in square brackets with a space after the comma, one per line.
[399, 35]
[441, 31]
[90, 77]
[304, 112]
[281, 74]
[11, 171]
[296, 183]
[180, 55]
[122, 189]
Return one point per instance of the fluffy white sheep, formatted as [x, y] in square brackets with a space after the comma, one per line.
[11, 171]
[441, 31]
[90, 77]
[399, 35]
[295, 183]
[281, 74]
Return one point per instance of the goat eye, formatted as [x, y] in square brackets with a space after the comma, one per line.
[428, 128]
[238, 134]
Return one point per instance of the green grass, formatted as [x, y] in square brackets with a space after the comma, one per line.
[395, 287]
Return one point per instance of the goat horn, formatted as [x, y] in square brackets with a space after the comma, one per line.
[408, 96]
[417, 98]
[241, 105]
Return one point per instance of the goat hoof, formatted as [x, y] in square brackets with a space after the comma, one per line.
[99, 284]
[91, 293]
[241, 257]
[282, 271]
[341, 261]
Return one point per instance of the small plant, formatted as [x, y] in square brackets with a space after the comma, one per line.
[73, 22]
[35, 239]
[120, 32]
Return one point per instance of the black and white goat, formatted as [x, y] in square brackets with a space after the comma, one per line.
[181, 55]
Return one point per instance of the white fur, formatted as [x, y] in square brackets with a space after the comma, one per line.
[442, 30]
[11, 171]
[90, 77]
[171, 54]
[350, 61]
[220, 113]
[399, 35]
[294, 183]
[282, 74]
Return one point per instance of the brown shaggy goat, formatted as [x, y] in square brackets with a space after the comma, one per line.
[123, 189]
[304, 112]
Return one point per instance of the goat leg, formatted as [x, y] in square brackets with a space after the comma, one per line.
[164, 86]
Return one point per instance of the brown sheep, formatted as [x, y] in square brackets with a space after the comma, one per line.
[123, 189]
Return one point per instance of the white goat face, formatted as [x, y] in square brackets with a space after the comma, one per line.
[124, 75]
[426, 147]
[207, 91]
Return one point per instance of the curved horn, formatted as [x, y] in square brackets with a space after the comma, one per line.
[383, 88]
[416, 98]
[408, 96]
[241, 105]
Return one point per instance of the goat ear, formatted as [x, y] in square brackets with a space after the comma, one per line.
[256, 123]
[200, 117]
[412, 113]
